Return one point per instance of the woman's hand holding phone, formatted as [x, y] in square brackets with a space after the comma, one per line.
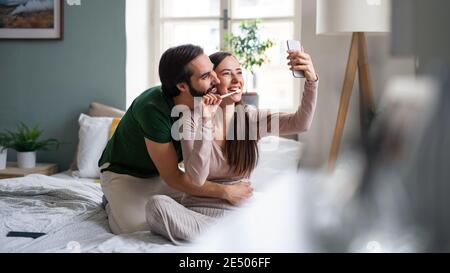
[300, 61]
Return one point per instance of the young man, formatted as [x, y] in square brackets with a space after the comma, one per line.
[141, 159]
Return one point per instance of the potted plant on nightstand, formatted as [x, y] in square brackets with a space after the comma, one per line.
[4, 144]
[26, 142]
[250, 51]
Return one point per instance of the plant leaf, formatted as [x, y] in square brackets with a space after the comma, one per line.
[26, 139]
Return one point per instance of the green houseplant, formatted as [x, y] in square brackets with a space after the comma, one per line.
[249, 48]
[26, 142]
[4, 144]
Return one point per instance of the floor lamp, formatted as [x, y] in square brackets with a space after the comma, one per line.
[356, 17]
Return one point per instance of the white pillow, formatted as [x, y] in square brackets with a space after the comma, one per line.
[277, 156]
[93, 137]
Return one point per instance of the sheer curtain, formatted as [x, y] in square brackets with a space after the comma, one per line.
[138, 72]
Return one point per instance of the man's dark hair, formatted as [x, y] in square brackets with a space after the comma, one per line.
[173, 67]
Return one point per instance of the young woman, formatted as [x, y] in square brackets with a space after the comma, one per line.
[223, 147]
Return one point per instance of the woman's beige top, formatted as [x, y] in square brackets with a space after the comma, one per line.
[204, 159]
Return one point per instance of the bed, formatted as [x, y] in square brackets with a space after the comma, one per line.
[69, 209]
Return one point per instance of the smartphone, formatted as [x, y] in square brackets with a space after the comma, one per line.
[294, 44]
[33, 235]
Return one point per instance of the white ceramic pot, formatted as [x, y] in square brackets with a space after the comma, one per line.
[3, 157]
[26, 160]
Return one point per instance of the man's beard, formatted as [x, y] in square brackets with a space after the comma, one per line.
[195, 93]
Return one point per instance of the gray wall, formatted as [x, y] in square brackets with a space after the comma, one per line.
[421, 30]
[51, 82]
[330, 54]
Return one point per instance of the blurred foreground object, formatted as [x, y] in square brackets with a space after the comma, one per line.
[377, 201]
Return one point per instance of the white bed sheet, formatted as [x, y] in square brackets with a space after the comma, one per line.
[69, 210]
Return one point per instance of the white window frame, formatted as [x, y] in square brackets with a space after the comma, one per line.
[156, 24]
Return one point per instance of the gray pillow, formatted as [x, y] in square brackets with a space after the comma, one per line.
[100, 110]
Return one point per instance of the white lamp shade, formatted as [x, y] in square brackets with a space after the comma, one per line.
[343, 16]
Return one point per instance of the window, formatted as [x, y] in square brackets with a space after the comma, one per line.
[204, 22]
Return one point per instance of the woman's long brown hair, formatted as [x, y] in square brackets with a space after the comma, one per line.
[241, 155]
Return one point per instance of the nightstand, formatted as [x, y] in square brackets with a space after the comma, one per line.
[12, 170]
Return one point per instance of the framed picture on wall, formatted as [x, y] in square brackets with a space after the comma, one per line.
[31, 19]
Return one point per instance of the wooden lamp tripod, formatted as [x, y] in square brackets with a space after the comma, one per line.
[357, 60]
[357, 17]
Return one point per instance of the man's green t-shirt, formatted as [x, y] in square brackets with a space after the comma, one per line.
[148, 117]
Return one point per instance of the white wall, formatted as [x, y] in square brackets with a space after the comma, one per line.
[138, 77]
[329, 54]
